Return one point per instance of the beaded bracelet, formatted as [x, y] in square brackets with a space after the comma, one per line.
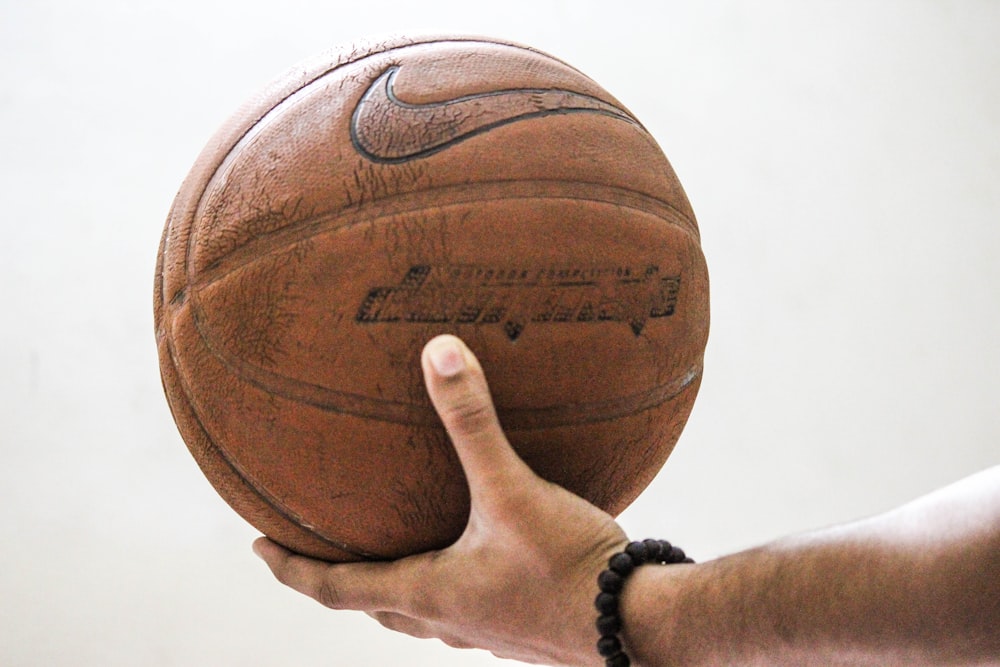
[611, 582]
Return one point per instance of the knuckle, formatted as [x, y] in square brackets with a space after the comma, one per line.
[470, 414]
[282, 572]
[403, 624]
[456, 642]
[387, 620]
[328, 595]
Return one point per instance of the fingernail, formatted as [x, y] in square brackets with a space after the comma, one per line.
[446, 356]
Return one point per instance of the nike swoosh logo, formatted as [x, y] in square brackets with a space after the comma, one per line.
[384, 128]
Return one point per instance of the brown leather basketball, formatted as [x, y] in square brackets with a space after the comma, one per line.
[379, 195]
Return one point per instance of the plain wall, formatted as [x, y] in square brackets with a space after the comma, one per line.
[844, 162]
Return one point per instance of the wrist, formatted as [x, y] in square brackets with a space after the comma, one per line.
[613, 608]
[653, 616]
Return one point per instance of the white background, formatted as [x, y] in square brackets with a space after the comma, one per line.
[844, 162]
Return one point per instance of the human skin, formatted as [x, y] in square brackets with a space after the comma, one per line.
[917, 586]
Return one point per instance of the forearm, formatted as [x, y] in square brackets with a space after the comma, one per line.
[919, 585]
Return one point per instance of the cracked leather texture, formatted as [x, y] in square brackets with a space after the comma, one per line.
[383, 193]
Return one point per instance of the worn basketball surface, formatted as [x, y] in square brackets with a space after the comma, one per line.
[384, 193]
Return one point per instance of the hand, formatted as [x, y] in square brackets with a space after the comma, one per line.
[519, 582]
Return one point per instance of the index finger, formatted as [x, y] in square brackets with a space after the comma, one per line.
[365, 586]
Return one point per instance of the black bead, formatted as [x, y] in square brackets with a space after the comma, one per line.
[608, 624]
[620, 660]
[609, 646]
[655, 550]
[638, 552]
[610, 582]
[622, 564]
[606, 603]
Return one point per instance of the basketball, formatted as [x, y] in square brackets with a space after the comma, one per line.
[386, 192]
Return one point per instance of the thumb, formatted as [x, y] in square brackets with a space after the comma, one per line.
[457, 387]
